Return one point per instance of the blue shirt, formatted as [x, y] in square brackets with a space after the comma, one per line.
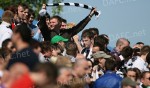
[108, 80]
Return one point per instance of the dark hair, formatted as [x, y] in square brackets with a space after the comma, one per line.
[140, 43]
[49, 69]
[110, 64]
[144, 73]
[101, 40]
[71, 49]
[87, 33]
[12, 8]
[5, 43]
[59, 19]
[137, 71]
[145, 49]
[24, 31]
[64, 20]
[30, 13]
[101, 47]
[94, 31]
[136, 52]
[127, 52]
[45, 46]
[35, 44]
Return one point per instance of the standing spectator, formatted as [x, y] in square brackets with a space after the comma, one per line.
[60, 41]
[55, 25]
[71, 51]
[21, 38]
[87, 38]
[63, 24]
[5, 29]
[99, 61]
[121, 43]
[110, 79]
[134, 74]
[36, 33]
[140, 62]
[145, 79]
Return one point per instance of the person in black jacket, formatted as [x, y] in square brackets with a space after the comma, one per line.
[54, 29]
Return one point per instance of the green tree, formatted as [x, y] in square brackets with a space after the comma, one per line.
[34, 4]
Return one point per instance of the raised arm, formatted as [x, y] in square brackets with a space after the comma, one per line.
[80, 26]
[42, 25]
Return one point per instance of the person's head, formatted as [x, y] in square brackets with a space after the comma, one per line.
[46, 49]
[87, 38]
[63, 61]
[138, 45]
[145, 50]
[21, 35]
[17, 70]
[145, 78]
[31, 16]
[8, 44]
[65, 75]
[64, 24]
[59, 40]
[71, 49]
[56, 50]
[110, 65]
[101, 58]
[36, 46]
[80, 68]
[133, 73]
[90, 66]
[127, 53]
[55, 21]
[97, 47]
[101, 39]
[95, 31]
[20, 11]
[48, 73]
[121, 43]
[26, 12]
[128, 83]
[8, 16]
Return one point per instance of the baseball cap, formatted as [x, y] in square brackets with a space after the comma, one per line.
[100, 54]
[57, 39]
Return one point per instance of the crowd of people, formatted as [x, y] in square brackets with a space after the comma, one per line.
[51, 54]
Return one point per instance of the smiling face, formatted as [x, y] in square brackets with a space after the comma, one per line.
[53, 23]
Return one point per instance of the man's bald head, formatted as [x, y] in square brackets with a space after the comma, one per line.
[121, 43]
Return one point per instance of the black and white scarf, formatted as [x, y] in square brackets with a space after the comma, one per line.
[97, 14]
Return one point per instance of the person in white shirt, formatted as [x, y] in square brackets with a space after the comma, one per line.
[5, 27]
[140, 62]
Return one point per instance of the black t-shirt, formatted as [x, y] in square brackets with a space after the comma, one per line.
[26, 56]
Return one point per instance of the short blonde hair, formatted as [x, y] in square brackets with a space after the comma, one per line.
[7, 16]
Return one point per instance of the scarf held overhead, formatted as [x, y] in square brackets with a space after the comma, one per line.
[97, 14]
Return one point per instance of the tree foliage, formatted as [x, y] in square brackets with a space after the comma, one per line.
[34, 4]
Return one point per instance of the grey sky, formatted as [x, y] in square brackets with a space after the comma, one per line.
[119, 18]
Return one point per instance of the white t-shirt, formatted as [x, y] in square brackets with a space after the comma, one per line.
[5, 32]
[140, 64]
